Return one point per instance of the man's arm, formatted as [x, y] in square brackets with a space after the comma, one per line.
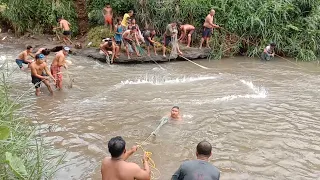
[130, 152]
[178, 174]
[143, 174]
[183, 34]
[49, 73]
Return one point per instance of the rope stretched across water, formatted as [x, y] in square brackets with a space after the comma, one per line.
[148, 153]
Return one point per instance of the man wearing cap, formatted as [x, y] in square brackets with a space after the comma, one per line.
[109, 45]
[59, 61]
[37, 67]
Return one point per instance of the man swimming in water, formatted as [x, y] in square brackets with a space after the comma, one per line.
[37, 67]
[22, 57]
[116, 167]
[175, 114]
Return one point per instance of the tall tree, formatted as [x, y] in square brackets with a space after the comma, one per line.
[82, 15]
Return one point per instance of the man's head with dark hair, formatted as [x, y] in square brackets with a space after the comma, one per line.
[29, 47]
[204, 148]
[273, 44]
[59, 18]
[119, 20]
[116, 146]
[130, 13]
[45, 52]
[133, 29]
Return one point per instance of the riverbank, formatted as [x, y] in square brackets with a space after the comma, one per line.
[51, 42]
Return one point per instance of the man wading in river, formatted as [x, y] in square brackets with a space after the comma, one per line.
[37, 74]
[200, 168]
[208, 28]
[59, 61]
[116, 167]
[22, 58]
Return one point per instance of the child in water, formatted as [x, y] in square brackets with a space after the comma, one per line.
[268, 52]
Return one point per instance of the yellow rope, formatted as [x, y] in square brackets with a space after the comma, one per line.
[151, 163]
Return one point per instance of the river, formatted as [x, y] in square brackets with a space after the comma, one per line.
[262, 119]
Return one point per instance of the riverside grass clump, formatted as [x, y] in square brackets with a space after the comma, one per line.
[37, 16]
[23, 155]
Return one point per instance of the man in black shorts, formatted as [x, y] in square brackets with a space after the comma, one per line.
[148, 36]
[200, 168]
[208, 28]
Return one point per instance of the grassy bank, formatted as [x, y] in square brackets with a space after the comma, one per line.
[23, 155]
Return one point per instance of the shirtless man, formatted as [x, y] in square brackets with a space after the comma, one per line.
[130, 38]
[37, 67]
[109, 45]
[208, 28]
[65, 26]
[108, 14]
[116, 167]
[170, 33]
[175, 114]
[22, 57]
[186, 28]
[59, 61]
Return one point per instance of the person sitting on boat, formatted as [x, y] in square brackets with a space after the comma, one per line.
[268, 52]
[186, 29]
[109, 47]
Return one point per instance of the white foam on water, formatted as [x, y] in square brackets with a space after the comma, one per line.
[261, 91]
[154, 80]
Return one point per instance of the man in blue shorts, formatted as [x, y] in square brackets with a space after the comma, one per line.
[208, 28]
[22, 57]
[200, 168]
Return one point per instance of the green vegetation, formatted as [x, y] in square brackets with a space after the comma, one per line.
[23, 155]
[248, 26]
[96, 34]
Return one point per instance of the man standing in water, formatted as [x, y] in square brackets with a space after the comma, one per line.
[186, 28]
[59, 61]
[200, 168]
[65, 26]
[22, 57]
[37, 75]
[108, 14]
[208, 28]
[268, 52]
[116, 167]
[169, 35]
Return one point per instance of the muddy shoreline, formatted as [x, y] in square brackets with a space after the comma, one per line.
[51, 42]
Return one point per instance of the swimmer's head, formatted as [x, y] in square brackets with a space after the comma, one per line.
[117, 146]
[204, 149]
[175, 112]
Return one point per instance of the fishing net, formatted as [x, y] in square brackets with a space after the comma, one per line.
[174, 43]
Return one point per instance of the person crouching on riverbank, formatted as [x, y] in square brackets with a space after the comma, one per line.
[169, 35]
[130, 38]
[22, 57]
[268, 52]
[116, 167]
[37, 67]
[186, 29]
[148, 36]
[59, 61]
[109, 45]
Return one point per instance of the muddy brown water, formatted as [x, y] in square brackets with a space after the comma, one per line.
[261, 118]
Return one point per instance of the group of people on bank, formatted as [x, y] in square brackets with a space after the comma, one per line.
[128, 33]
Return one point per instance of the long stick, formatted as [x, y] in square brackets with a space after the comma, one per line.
[186, 58]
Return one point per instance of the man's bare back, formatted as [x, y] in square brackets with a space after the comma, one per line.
[65, 25]
[23, 55]
[188, 27]
[59, 59]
